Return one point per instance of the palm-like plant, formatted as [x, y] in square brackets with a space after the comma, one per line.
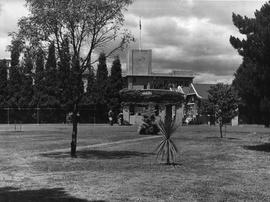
[166, 148]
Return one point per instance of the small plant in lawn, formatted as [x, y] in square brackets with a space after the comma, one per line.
[166, 148]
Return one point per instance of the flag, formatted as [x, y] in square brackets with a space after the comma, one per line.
[140, 24]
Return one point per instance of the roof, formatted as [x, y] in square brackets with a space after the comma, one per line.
[176, 74]
[202, 90]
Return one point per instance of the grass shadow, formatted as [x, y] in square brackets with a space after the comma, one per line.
[11, 194]
[224, 138]
[98, 154]
[261, 147]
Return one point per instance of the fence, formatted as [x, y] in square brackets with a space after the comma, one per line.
[88, 114]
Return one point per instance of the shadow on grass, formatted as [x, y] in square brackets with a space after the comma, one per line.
[11, 194]
[261, 147]
[224, 138]
[98, 154]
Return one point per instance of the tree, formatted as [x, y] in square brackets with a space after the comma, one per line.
[91, 91]
[3, 83]
[64, 74]
[223, 97]
[116, 84]
[252, 79]
[50, 80]
[26, 93]
[15, 80]
[39, 77]
[90, 25]
[102, 80]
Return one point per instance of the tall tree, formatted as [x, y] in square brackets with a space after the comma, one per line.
[64, 74]
[90, 25]
[26, 93]
[116, 84]
[252, 79]
[225, 102]
[3, 83]
[38, 77]
[15, 81]
[102, 80]
[91, 91]
[50, 80]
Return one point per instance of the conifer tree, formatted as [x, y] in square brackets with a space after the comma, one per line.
[15, 81]
[64, 74]
[91, 87]
[3, 83]
[252, 79]
[116, 84]
[27, 81]
[102, 80]
[50, 80]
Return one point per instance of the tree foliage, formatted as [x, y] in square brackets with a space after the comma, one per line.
[3, 83]
[89, 25]
[15, 80]
[102, 80]
[115, 85]
[252, 79]
[225, 102]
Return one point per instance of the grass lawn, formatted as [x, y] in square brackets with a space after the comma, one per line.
[35, 165]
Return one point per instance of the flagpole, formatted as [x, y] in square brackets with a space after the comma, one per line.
[140, 42]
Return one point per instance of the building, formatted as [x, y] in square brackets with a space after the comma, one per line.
[141, 77]
[195, 93]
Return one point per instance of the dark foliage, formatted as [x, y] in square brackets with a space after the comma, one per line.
[116, 84]
[102, 80]
[252, 79]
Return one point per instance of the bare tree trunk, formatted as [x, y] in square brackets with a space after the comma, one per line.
[74, 130]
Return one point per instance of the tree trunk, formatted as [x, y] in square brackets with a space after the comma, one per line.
[74, 130]
[220, 130]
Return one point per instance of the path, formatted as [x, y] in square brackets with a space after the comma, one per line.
[104, 144]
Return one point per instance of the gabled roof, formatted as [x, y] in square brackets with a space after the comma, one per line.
[201, 90]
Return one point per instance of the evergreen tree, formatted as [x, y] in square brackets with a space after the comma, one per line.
[3, 83]
[39, 72]
[51, 91]
[116, 84]
[102, 80]
[64, 74]
[27, 81]
[91, 90]
[39, 77]
[15, 81]
[252, 79]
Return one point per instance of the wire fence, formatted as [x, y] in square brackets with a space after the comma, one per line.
[92, 114]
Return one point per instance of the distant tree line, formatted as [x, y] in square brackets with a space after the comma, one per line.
[39, 78]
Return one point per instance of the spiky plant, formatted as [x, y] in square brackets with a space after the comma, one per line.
[166, 148]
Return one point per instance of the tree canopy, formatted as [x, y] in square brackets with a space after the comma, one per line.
[225, 102]
[252, 79]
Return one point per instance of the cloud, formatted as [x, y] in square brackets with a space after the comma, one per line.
[190, 34]
[183, 34]
[10, 12]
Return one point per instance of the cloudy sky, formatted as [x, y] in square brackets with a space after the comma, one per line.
[183, 34]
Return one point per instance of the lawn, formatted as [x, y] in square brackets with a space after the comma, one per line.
[112, 165]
